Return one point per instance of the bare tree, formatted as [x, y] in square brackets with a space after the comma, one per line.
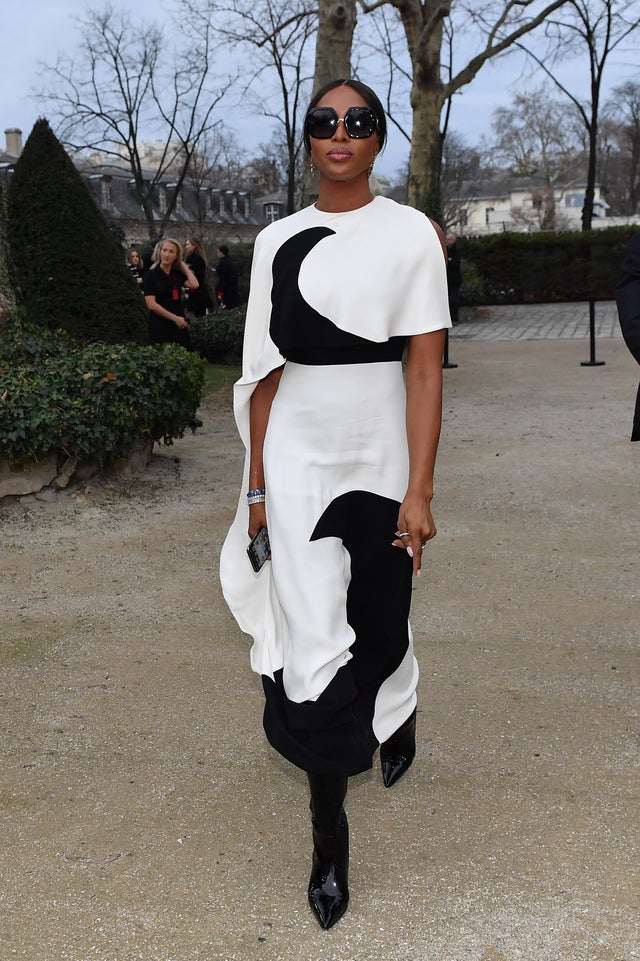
[383, 53]
[462, 167]
[499, 25]
[124, 86]
[336, 22]
[535, 137]
[218, 159]
[279, 34]
[594, 28]
[266, 170]
[621, 148]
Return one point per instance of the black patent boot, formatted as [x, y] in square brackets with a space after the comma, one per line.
[328, 884]
[397, 754]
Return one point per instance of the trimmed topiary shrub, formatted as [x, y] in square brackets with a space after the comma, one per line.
[64, 263]
[94, 403]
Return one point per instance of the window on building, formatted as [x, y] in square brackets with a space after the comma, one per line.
[574, 200]
[487, 214]
[271, 212]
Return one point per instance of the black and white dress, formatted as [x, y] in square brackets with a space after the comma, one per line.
[333, 298]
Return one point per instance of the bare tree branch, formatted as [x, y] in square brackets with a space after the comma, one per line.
[125, 85]
[597, 28]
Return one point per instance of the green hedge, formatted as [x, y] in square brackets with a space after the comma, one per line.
[95, 403]
[542, 268]
[218, 337]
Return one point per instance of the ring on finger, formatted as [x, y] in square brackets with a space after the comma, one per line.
[403, 534]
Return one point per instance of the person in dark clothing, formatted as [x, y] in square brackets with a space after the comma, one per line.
[340, 453]
[134, 263]
[162, 287]
[227, 284]
[628, 301]
[199, 301]
[454, 276]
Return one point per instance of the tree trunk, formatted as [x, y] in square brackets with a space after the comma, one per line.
[422, 21]
[425, 161]
[423, 26]
[336, 23]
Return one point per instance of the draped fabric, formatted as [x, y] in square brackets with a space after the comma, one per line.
[333, 299]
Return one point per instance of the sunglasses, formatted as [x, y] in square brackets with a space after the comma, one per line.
[359, 122]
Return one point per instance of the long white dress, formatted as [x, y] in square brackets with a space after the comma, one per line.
[333, 298]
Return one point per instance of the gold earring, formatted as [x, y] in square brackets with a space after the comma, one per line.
[372, 163]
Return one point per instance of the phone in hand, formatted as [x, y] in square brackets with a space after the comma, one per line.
[259, 550]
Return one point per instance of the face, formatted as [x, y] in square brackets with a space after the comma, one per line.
[341, 157]
[168, 253]
[134, 257]
[188, 246]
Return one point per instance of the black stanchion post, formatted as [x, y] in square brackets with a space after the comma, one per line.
[445, 361]
[592, 362]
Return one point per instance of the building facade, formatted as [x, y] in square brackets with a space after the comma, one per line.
[219, 214]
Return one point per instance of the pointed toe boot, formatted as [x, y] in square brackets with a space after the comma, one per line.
[328, 891]
[328, 885]
[397, 754]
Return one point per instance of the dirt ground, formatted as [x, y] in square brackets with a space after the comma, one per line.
[144, 816]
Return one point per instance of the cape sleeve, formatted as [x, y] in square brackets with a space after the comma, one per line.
[248, 594]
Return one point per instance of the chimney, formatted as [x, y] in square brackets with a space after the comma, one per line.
[14, 141]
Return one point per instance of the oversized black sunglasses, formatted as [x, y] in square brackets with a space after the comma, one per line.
[359, 122]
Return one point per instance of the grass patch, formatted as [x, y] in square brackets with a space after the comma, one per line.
[219, 377]
[34, 643]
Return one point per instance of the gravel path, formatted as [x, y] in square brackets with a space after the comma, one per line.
[143, 815]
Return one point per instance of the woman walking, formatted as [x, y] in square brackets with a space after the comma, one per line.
[339, 470]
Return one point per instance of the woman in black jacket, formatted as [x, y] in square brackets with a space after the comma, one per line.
[200, 300]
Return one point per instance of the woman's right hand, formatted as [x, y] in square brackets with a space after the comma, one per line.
[181, 323]
[257, 518]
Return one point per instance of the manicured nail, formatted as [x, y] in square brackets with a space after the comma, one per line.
[410, 551]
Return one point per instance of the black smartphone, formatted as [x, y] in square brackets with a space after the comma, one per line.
[259, 549]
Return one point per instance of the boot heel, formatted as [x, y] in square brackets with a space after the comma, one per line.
[397, 754]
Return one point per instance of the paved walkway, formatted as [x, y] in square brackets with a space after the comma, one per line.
[537, 322]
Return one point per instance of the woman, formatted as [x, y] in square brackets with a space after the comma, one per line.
[162, 287]
[200, 300]
[339, 468]
[134, 263]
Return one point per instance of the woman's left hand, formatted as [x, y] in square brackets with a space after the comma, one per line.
[415, 528]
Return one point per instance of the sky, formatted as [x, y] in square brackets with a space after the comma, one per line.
[37, 30]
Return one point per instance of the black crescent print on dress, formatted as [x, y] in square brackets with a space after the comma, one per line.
[334, 297]
[301, 333]
[340, 719]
